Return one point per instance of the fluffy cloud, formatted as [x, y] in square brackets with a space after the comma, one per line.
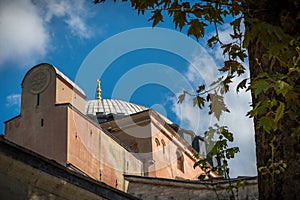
[25, 31]
[243, 129]
[22, 33]
[13, 100]
[237, 122]
[202, 69]
[190, 117]
[73, 14]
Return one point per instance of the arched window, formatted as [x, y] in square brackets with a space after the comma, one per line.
[164, 145]
[157, 142]
[180, 160]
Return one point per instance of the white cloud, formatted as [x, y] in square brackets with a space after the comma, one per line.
[224, 36]
[13, 100]
[23, 36]
[236, 120]
[190, 117]
[25, 27]
[224, 32]
[238, 104]
[73, 14]
[202, 68]
[243, 130]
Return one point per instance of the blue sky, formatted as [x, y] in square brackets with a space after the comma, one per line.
[70, 36]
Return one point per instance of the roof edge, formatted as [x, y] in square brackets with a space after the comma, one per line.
[57, 72]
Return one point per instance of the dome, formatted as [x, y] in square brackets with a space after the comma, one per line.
[111, 106]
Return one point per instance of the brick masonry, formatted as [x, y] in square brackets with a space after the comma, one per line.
[163, 189]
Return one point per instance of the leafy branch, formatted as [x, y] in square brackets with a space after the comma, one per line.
[274, 168]
[274, 44]
[212, 95]
[221, 153]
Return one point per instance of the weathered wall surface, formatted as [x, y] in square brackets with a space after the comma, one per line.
[25, 175]
[41, 126]
[52, 123]
[97, 154]
[18, 181]
[165, 145]
[65, 93]
[155, 145]
[163, 189]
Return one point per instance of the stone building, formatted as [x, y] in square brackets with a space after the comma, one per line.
[28, 175]
[103, 139]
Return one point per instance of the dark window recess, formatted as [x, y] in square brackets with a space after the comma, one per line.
[103, 117]
[38, 99]
[157, 142]
[42, 122]
[180, 161]
[164, 146]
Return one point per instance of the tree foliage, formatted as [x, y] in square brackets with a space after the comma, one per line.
[272, 38]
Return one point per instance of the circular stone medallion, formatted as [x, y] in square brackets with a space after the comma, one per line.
[39, 81]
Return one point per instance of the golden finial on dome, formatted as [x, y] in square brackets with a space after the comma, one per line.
[98, 90]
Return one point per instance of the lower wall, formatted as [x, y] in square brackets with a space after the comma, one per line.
[162, 189]
[94, 152]
[26, 175]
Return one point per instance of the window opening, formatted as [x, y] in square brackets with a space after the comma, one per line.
[157, 142]
[164, 146]
[180, 161]
[38, 99]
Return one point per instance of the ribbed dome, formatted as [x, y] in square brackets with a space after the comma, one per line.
[112, 106]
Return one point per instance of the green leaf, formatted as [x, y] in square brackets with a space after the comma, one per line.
[242, 55]
[201, 163]
[179, 19]
[226, 48]
[226, 83]
[229, 188]
[213, 40]
[260, 86]
[202, 177]
[200, 88]
[228, 135]
[282, 87]
[241, 85]
[263, 170]
[279, 112]
[199, 101]
[236, 23]
[267, 123]
[231, 152]
[196, 28]
[217, 105]
[233, 66]
[156, 17]
[261, 108]
[296, 131]
[239, 184]
[181, 98]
